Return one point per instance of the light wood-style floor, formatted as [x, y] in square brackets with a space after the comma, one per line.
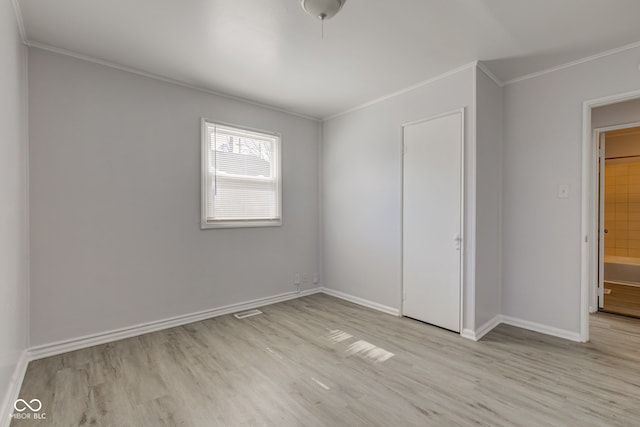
[292, 366]
[623, 299]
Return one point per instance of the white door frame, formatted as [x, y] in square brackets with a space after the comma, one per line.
[463, 233]
[589, 220]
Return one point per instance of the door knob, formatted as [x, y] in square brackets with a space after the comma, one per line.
[606, 231]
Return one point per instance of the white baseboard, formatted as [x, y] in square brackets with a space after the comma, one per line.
[519, 323]
[14, 389]
[488, 327]
[543, 329]
[468, 334]
[482, 330]
[52, 349]
[361, 301]
[465, 333]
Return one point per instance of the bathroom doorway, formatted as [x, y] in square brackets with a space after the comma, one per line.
[619, 220]
[613, 112]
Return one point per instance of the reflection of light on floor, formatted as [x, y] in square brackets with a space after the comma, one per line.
[320, 384]
[361, 348]
[273, 353]
[369, 351]
[607, 291]
[338, 336]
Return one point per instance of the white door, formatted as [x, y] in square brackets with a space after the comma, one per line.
[432, 220]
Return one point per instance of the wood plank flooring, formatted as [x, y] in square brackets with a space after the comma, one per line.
[623, 299]
[299, 364]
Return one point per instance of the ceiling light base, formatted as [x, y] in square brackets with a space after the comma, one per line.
[322, 9]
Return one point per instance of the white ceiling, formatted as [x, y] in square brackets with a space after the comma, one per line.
[271, 52]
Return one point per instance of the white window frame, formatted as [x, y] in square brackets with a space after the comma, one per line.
[205, 223]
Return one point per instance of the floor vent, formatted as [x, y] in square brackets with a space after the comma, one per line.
[246, 314]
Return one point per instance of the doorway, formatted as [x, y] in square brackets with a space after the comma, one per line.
[619, 220]
[432, 220]
[589, 274]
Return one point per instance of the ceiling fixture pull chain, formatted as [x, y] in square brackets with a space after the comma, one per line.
[322, 9]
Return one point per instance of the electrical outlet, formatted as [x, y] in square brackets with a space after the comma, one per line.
[315, 278]
[296, 279]
[305, 278]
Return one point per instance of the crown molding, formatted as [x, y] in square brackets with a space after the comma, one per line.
[487, 72]
[20, 21]
[65, 52]
[468, 66]
[475, 64]
[574, 63]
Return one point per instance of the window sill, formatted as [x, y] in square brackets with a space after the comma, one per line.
[206, 225]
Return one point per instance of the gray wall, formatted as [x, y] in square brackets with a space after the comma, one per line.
[489, 198]
[622, 146]
[616, 114]
[361, 189]
[13, 200]
[542, 148]
[115, 202]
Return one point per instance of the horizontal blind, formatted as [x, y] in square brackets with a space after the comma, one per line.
[242, 175]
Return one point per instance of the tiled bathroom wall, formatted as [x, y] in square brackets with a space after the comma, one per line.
[622, 207]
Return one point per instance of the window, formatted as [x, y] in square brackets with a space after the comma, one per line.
[241, 184]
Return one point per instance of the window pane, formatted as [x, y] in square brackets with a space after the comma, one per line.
[241, 164]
